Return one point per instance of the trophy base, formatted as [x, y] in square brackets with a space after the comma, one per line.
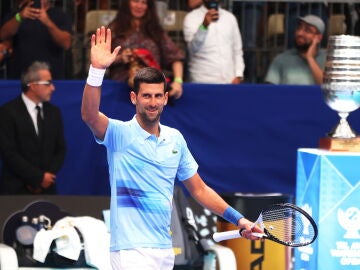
[340, 144]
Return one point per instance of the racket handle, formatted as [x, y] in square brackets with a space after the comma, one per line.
[220, 236]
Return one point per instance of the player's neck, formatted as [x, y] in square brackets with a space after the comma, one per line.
[154, 130]
[150, 127]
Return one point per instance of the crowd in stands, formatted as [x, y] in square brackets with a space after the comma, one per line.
[220, 47]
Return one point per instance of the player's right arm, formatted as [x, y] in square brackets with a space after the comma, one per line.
[100, 58]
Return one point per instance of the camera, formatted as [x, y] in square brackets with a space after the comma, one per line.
[213, 4]
[36, 4]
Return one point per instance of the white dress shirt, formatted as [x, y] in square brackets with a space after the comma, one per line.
[31, 107]
[215, 53]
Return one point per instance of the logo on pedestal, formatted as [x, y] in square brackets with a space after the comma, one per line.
[350, 221]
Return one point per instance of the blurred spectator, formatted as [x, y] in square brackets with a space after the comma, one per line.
[194, 3]
[296, 9]
[32, 144]
[214, 44]
[136, 28]
[38, 33]
[305, 63]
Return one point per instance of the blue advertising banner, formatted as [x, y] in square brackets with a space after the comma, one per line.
[328, 188]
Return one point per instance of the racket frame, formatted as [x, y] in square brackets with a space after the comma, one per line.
[220, 236]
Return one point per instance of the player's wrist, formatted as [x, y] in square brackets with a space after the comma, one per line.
[232, 215]
[96, 76]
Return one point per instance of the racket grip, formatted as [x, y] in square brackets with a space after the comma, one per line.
[220, 236]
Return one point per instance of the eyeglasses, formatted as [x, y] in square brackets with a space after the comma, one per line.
[308, 29]
[42, 83]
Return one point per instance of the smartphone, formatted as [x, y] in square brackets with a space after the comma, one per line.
[213, 4]
[36, 4]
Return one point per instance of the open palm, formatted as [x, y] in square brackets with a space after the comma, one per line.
[100, 53]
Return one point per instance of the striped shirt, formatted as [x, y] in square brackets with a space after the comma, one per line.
[142, 169]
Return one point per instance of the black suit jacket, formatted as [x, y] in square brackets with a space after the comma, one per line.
[24, 157]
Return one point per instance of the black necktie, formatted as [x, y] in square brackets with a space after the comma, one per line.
[40, 123]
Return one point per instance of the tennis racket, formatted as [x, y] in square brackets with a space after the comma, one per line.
[285, 224]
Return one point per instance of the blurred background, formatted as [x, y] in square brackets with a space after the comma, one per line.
[267, 27]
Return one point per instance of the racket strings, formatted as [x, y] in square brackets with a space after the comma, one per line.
[287, 225]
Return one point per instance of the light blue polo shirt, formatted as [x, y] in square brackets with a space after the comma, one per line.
[142, 170]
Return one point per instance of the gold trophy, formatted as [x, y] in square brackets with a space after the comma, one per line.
[341, 90]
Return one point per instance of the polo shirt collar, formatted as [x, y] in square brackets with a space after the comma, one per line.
[145, 135]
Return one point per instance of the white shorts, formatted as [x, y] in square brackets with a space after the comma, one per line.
[143, 258]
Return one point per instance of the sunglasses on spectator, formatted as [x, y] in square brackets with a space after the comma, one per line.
[309, 29]
[42, 83]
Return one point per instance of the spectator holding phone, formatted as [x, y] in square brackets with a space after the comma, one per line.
[214, 44]
[39, 32]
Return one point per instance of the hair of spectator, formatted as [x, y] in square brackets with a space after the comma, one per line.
[150, 23]
[32, 74]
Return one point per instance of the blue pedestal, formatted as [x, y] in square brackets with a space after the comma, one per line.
[328, 188]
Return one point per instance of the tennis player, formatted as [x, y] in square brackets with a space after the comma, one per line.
[144, 159]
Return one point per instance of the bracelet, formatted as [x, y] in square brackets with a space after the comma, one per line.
[178, 80]
[96, 76]
[231, 215]
[203, 27]
[18, 17]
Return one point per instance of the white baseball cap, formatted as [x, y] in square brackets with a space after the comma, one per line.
[314, 21]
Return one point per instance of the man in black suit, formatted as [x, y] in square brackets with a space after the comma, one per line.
[32, 144]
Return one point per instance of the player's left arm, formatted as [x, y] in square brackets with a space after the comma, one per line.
[211, 200]
[205, 195]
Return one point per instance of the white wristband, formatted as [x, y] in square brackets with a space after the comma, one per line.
[96, 76]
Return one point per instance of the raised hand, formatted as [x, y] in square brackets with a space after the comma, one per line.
[100, 53]
[29, 12]
[313, 48]
[212, 15]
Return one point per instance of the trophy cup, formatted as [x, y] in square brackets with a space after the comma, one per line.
[341, 90]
